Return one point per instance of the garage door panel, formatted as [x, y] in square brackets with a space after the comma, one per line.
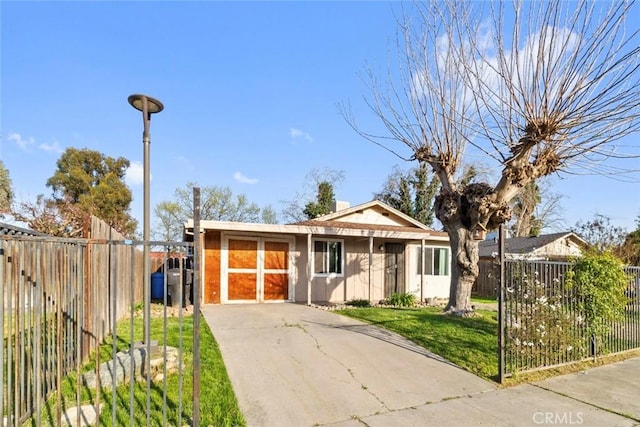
[242, 286]
[276, 255]
[243, 254]
[276, 286]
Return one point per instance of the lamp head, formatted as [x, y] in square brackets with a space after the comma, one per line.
[153, 105]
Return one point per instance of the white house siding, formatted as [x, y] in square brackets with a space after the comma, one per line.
[374, 215]
[561, 248]
[432, 286]
[300, 286]
[353, 284]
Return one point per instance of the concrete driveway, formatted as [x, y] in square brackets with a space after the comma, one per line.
[293, 365]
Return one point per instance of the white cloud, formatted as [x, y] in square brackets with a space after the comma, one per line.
[297, 133]
[135, 174]
[54, 147]
[21, 142]
[240, 177]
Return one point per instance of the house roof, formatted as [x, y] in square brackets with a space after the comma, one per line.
[525, 245]
[375, 205]
[391, 224]
[354, 226]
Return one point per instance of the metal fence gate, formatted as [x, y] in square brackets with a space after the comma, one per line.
[72, 328]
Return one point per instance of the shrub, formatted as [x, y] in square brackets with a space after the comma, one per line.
[359, 303]
[600, 283]
[401, 300]
[539, 328]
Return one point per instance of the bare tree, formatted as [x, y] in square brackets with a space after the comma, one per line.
[536, 87]
[535, 209]
[294, 210]
[61, 218]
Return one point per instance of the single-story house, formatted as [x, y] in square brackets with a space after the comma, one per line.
[547, 247]
[366, 251]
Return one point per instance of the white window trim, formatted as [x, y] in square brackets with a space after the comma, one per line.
[421, 266]
[313, 258]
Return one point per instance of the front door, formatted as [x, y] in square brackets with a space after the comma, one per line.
[394, 269]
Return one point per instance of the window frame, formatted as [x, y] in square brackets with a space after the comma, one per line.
[327, 257]
[430, 265]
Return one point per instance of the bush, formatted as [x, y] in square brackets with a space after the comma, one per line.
[600, 283]
[401, 300]
[359, 303]
[540, 330]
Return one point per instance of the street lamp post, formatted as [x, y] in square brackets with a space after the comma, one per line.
[148, 106]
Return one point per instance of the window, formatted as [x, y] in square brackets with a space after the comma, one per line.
[436, 261]
[327, 257]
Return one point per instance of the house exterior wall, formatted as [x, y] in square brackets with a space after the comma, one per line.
[374, 215]
[300, 266]
[432, 286]
[354, 283]
[559, 249]
[211, 279]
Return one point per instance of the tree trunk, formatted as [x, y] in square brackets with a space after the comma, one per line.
[464, 270]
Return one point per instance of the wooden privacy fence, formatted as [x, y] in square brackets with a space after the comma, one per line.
[105, 262]
[486, 284]
[60, 298]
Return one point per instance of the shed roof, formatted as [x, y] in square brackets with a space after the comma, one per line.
[13, 230]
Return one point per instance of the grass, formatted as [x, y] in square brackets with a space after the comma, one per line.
[539, 375]
[469, 342]
[488, 300]
[218, 404]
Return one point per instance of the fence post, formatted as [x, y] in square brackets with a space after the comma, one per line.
[501, 320]
[196, 306]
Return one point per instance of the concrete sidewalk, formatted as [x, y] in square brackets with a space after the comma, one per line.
[292, 365]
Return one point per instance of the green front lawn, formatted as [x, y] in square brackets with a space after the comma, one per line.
[469, 342]
[218, 404]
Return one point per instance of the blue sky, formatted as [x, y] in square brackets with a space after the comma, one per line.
[250, 92]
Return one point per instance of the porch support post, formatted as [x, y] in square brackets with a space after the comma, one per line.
[370, 263]
[309, 254]
[422, 244]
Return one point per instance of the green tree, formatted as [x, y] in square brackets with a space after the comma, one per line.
[6, 190]
[325, 199]
[410, 192]
[425, 190]
[94, 183]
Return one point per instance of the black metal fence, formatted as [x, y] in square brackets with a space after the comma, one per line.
[71, 330]
[542, 322]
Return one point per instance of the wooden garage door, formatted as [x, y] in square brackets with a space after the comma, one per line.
[243, 269]
[276, 270]
[258, 270]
